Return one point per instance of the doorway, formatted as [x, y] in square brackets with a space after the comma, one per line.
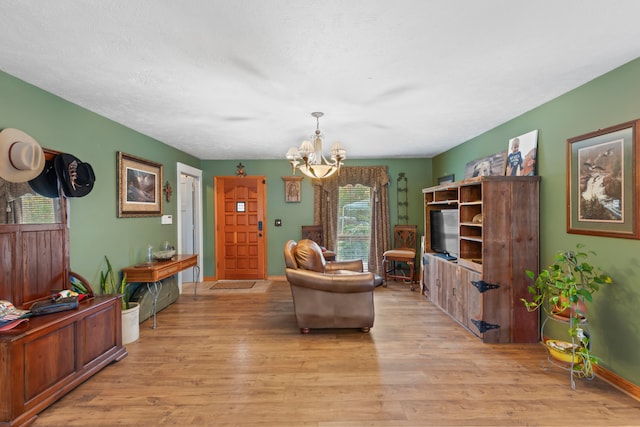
[240, 227]
[189, 219]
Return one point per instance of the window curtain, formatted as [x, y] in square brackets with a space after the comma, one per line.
[325, 207]
[11, 200]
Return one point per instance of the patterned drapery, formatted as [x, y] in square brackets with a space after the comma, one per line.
[325, 207]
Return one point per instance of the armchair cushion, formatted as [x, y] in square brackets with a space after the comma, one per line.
[335, 283]
[308, 256]
[354, 265]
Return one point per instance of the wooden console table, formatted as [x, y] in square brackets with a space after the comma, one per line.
[152, 273]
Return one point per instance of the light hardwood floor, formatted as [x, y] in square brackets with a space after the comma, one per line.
[238, 359]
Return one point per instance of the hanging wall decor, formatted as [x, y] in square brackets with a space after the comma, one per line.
[602, 182]
[167, 191]
[403, 200]
[139, 187]
[292, 193]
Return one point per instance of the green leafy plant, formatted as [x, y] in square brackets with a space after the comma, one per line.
[564, 285]
[110, 285]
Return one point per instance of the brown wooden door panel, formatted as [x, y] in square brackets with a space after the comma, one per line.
[240, 206]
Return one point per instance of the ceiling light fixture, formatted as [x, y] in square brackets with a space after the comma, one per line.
[314, 164]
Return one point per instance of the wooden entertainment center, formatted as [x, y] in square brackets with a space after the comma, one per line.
[497, 240]
[47, 356]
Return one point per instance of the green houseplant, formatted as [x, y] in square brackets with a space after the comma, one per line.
[130, 310]
[564, 286]
[109, 283]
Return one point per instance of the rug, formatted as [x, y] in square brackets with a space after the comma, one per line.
[233, 284]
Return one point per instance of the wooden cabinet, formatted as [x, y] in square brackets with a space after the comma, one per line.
[52, 354]
[497, 241]
[46, 357]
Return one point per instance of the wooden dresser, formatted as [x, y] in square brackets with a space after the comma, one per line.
[46, 357]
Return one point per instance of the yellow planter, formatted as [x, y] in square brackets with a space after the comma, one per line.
[561, 350]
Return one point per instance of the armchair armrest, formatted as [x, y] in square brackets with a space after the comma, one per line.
[353, 265]
[337, 283]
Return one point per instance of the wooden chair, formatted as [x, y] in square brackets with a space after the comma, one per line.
[402, 255]
[314, 232]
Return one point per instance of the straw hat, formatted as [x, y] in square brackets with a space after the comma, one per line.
[21, 157]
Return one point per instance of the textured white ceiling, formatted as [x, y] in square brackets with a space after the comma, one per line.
[239, 79]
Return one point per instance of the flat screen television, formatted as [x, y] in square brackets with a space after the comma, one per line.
[444, 232]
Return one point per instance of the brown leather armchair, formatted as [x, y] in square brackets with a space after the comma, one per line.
[325, 294]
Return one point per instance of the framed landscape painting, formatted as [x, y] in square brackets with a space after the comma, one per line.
[602, 180]
[139, 187]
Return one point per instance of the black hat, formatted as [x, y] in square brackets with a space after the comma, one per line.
[46, 184]
[76, 177]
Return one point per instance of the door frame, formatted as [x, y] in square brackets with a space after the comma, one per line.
[218, 186]
[183, 169]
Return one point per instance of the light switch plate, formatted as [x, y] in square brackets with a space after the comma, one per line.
[166, 219]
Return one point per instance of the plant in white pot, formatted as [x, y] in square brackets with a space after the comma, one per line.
[130, 310]
[562, 288]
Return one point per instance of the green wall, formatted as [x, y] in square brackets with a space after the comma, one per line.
[95, 230]
[606, 101]
[294, 215]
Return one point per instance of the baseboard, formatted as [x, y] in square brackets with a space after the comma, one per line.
[618, 382]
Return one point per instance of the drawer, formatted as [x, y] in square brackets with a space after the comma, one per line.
[167, 271]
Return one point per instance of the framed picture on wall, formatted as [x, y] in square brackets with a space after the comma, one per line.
[292, 193]
[139, 187]
[602, 182]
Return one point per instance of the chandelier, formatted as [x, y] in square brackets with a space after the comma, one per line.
[309, 158]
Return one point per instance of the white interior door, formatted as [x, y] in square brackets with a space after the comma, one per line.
[190, 219]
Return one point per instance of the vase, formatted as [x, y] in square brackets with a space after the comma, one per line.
[131, 323]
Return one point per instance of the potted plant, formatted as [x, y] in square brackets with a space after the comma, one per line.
[130, 310]
[565, 286]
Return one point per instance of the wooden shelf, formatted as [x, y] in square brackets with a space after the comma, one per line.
[491, 252]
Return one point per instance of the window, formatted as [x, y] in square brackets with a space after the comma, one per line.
[354, 223]
[19, 205]
[38, 210]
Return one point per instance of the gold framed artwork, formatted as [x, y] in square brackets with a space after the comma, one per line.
[292, 193]
[602, 182]
[139, 186]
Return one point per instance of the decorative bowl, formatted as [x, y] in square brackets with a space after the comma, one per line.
[164, 255]
[561, 350]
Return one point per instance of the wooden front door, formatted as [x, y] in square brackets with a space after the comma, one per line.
[241, 233]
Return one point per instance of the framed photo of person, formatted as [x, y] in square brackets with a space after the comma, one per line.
[602, 182]
[522, 154]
